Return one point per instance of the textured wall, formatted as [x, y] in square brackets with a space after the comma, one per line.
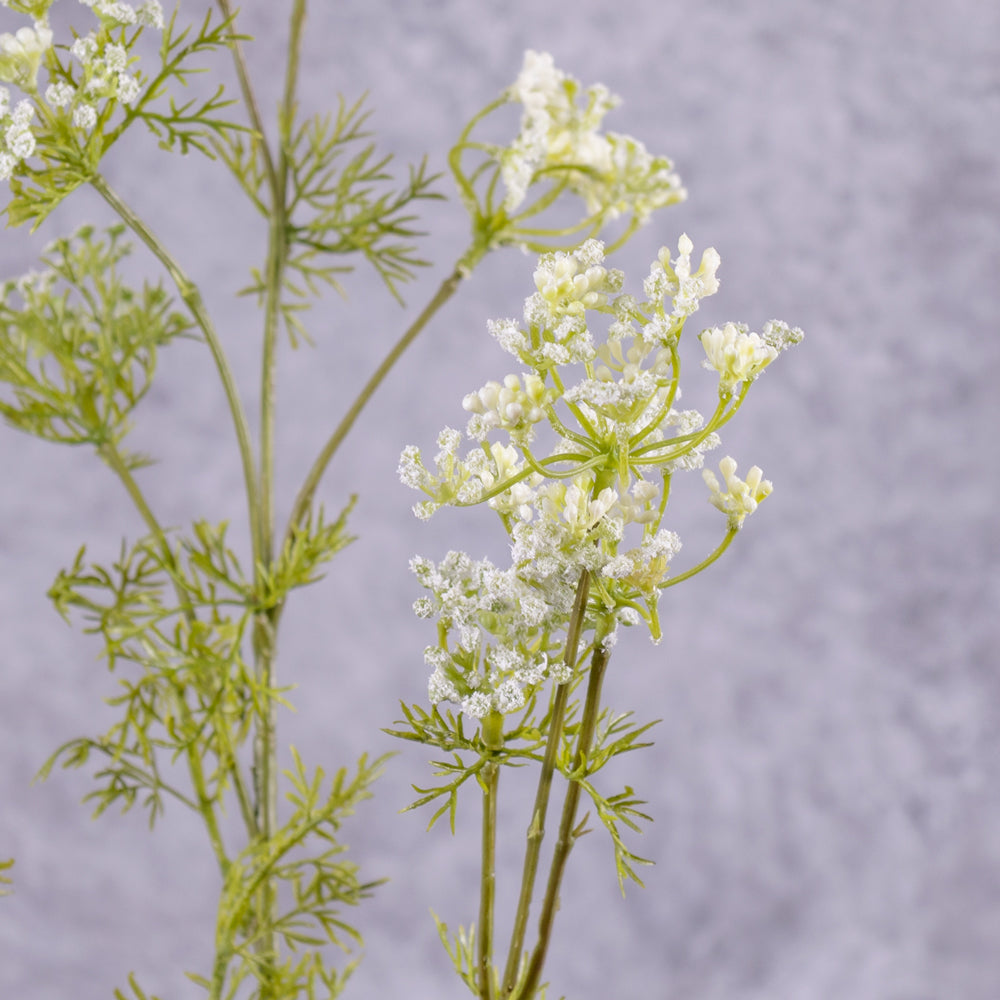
[826, 780]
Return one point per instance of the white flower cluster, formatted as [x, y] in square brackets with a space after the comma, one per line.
[570, 284]
[614, 174]
[593, 501]
[498, 633]
[674, 278]
[17, 142]
[104, 64]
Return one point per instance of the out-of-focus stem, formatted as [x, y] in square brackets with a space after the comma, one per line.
[191, 297]
[306, 493]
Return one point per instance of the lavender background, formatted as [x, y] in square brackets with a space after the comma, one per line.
[826, 780]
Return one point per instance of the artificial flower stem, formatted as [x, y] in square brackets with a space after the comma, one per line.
[489, 780]
[191, 296]
[446, 290]
[704, 564]
[249, 99]
[536, 828]
[265, 624]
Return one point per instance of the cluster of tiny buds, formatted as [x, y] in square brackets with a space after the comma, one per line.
[567, 288]
[740, 497]
[739, 355]
[507, 406]
[115, 12]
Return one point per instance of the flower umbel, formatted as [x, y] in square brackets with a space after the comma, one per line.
[560, 146]
[589, 502]
[614, 174]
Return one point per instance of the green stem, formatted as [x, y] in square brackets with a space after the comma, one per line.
[704, 564]
[277, 256]
[265, 625]
[189, 293]
[568, 833]
[489, 780]
[447, 289]
[536, 828]
[250, 100]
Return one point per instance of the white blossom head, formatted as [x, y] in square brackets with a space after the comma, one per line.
[487, 658]
[560, 140]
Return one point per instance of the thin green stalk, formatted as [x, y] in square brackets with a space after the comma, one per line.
[277, 256]
[447, 289]
[250, 100]
[536, 828]
[567, 831]
[265, 625]
[489, 780]
[189, 293]
[264, 812]
[704, 564]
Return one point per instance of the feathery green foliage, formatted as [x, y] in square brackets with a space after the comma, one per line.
[79, 353]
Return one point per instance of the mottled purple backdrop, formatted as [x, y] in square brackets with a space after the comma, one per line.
[826, 779]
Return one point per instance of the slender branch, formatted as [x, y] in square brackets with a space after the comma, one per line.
[447, 289]
[191, 296]
[705, 563]
[250, 100]
[242, 795]
[110, 454]
[189, 293]
[536, 828]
